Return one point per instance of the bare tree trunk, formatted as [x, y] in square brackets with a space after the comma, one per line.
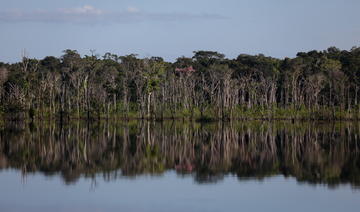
[149, 105]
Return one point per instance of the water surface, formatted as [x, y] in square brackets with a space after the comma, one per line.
[180, 166]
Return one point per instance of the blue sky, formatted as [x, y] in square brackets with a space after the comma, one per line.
[170, 29]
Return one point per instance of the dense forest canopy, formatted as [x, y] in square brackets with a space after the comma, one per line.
[313, 85]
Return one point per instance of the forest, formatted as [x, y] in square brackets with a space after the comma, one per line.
[315, 85]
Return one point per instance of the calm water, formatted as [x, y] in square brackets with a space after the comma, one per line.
[176, 166]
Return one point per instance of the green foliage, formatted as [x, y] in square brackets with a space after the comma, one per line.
[208, 86]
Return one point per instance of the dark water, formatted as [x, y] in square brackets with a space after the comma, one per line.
[176, 166]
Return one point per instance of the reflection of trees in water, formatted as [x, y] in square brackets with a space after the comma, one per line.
[311, 152]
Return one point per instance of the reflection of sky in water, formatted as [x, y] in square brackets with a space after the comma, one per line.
[170, 192]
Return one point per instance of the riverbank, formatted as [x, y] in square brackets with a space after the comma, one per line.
[206, 115]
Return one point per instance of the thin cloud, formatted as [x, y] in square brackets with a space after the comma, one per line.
[91, 15]
[132, 10]
[87, 9]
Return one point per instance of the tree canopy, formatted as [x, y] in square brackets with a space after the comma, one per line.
[313, 85]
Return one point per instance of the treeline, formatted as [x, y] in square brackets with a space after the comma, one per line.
[313, 85]
[311, 152]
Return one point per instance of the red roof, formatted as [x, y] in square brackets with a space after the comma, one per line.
[185, 70]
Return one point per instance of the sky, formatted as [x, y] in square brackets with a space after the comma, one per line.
[170, 29]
